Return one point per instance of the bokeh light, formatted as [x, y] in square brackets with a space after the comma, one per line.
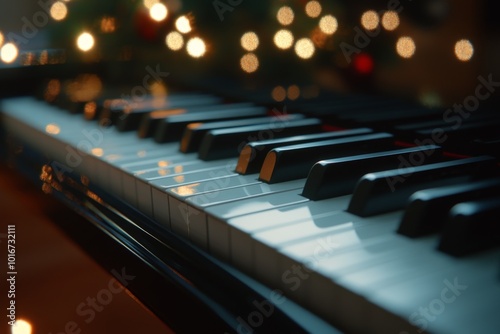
[285, 15]
[304, 48]
[85, 41]
[183, 24]
[283, 39]
[278, 93]
[58, 11]
[174, 41]
[405, 47]
[370, 20]
[158, 12]
[9, 53]
[249, 41]
[196, 47]
[390, 20]
[464, 50]
[249, 63]
[328, 24]
[313, 9]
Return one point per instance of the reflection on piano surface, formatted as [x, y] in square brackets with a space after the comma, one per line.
[263, 171]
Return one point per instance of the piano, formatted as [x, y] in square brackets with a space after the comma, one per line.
[344, 197]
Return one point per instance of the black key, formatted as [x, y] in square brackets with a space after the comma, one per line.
[226, 143]
[253, 154]
[130, 119]
[489, 146]
[386, 191]
[94, 109]
[392, 116]
[427, 210]
[112, 113]
[337, 177]
[171, 128]
[351, 105]
[465, 132]
[149, 123]
[294, 162]
[194, 132]
[472, 226]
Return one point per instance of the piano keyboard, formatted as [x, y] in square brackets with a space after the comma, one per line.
[370, 233]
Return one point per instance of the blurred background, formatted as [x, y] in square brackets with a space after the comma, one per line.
[429, 50]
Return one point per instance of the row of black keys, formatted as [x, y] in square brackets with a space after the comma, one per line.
[381, 176]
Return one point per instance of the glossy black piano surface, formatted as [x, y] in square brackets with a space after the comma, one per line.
[279, 167]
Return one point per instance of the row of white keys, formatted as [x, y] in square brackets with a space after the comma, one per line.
[195, 221]
[448, 295]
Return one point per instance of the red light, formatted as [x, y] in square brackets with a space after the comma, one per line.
[363, 63]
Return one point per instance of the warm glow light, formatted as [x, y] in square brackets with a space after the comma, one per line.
[21, 327]
[249, 41]
[52, 90]
[328, 24]
[293, 92]
[283, 39]
[158, 12]
[313, 9]
[108, 24]
[249, 63]
[285, 15]
[279, 93]
[179, 178]
[464, 50]
[149, 3]
[183, 24]
[53, 129]
[405, 47]
[8, 53]
[1, 38]
[370, 20]
[390, 20]
[58, 11]
[304, 48]
[174, 41]
[186, 190]
[196, 47]
[163, 163]
[85, 41]
[97, 151]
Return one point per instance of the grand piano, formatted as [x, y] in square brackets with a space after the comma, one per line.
[300, 166]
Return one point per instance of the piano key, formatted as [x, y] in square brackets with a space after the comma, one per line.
[225, 143]
[179, 194]
[253, 154]
[472, 226]
[194, 132]
[385, 191]
[136, 109]
[171, 128]
[183, 172]
[131, 119]
[336, 177]
[415, 299]
[231, 202]
[241, 229]
[198, 207]
[428, 209]
[489, 146]
[389, 117]
[294, 162]
[455, 135]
